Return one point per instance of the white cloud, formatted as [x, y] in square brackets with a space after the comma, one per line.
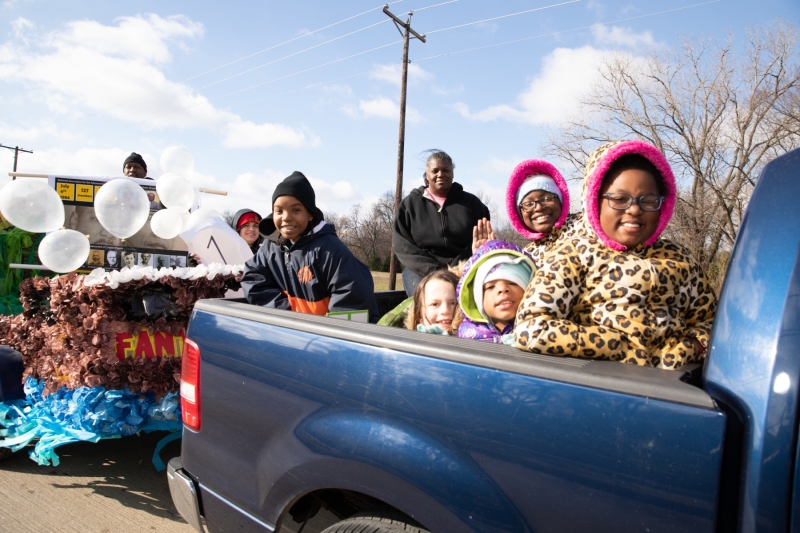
[19, 25]
[254, 191]
[566, 75]
[246, 134]
[84, 162]
[20, 134]
[382, 107]
[86, 67]
[393, 74]
[11, 4]
[379, 108]
[625, 37]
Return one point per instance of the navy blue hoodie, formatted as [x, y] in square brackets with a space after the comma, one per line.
[316, 275]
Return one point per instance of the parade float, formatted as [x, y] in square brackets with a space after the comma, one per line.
[101, 340]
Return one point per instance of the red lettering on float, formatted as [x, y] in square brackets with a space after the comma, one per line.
[165, 344]
[159, 344]
[144, 347]
[124, 346]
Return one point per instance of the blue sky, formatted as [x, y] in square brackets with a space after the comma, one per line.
[85, 83]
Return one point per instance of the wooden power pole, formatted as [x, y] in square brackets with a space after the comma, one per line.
[17, 150]
[401, 141]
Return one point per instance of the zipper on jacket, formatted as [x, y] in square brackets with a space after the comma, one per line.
[443, 216]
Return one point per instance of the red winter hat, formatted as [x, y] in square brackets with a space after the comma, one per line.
[246, 219]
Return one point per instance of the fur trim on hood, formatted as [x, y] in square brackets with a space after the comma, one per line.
[599, 163]
[465, 291]
[524, 170]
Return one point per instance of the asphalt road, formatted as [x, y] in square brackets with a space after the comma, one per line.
[105, 487]
[109, 486]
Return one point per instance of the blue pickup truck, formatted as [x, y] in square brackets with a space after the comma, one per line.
[393, 430]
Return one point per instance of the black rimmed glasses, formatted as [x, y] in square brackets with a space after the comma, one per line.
[544, 201]
[621, 202]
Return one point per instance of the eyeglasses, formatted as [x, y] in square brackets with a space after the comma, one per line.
[544, 201]
[621, 202]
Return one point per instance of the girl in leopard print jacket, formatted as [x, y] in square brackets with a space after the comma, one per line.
[615, 290]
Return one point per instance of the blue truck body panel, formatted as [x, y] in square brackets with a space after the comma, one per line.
[756, 339]
[486, 450]
[466, 436]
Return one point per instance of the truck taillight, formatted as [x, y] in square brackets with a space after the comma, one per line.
[190, 385]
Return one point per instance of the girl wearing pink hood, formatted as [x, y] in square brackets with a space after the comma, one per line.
[615, 290]
[537, 203]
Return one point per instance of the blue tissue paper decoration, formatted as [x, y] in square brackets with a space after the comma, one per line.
[83, 414]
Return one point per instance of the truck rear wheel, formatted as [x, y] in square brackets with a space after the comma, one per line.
[373, 523]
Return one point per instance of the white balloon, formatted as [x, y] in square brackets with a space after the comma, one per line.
[167, 223]
[122, 207]
[177, 159]
[175, 191]
[199, 215]
[64, 250]
[32, 205]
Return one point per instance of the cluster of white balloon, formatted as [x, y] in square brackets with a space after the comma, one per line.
[121, 206]
[32, 205]
[177, 194]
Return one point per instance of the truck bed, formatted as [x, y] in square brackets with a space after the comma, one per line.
[480, 437]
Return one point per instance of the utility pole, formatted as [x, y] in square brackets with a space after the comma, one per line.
[401, 142]
[17, 150]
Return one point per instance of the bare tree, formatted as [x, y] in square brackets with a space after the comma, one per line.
[486, 200]
[368, 232]
[718, 118]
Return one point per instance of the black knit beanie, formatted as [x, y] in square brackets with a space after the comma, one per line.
[135, 158]
[296, 185]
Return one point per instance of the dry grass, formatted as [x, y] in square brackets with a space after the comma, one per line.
[381, 280]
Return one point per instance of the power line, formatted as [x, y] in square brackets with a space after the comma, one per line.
[567, 31]
[304, 88]
[477, 48]
[137, 111]
[428, 7]
[367, 72]
[233, 62]
[502, 17]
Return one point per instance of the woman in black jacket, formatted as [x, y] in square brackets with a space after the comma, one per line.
[435, 223]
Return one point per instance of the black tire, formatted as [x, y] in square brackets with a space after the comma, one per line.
[5, 453]
[374, 523]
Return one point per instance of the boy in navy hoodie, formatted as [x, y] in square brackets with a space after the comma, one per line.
[303, 266]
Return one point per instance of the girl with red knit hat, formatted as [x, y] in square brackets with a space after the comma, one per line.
[245, 222]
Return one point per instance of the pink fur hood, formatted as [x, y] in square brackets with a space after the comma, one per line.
[599, 163]
[521, 172]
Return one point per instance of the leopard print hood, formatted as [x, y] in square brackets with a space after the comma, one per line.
[597, 166]
[522, 171]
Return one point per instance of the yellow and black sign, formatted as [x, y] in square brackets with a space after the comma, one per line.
[84, 193]
[66, 191]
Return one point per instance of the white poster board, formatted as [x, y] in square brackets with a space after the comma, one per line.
[214, 241]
